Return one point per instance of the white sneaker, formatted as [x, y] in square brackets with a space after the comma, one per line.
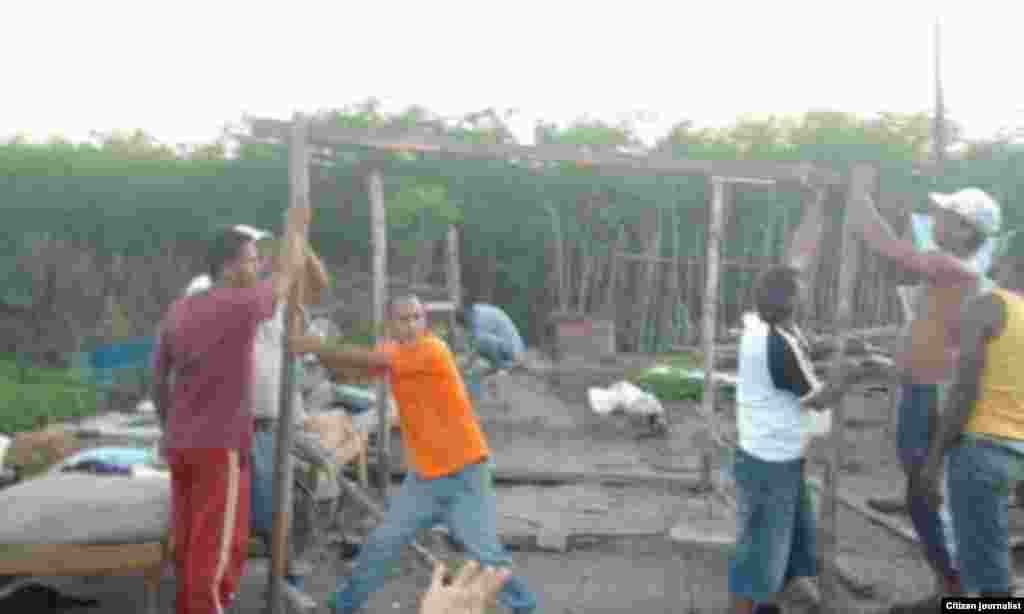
[299, 599]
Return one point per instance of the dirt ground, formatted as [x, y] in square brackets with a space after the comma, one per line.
[647, 547]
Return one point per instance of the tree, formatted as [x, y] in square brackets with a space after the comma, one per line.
[132, 145]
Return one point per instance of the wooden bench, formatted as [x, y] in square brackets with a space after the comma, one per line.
[91, 560]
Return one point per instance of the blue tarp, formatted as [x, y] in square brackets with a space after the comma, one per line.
[129, 353]
[124, 457]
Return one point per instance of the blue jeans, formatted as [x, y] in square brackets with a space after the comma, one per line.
[933, 527]
[261, 493]
[464, 501]
[981, 474]
[775, 535]
[500, 352]
[261, 505]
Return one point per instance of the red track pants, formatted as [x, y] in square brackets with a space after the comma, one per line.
[210, 495]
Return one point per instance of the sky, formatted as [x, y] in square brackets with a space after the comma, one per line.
[182, 70]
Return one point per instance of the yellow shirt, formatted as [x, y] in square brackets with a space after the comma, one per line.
[999, 410]
[440, 430]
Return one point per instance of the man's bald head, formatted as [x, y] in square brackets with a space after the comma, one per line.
[402, 300]
[407, 316]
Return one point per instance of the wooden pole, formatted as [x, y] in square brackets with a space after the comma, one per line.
[862, 179]
[709, 315]
[693, 286]
[453, 277]
[642, 308]
[379, 233]
[298, 174]
[671, 299]
[558, 235]
[609, 310]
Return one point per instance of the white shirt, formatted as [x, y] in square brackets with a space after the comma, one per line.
[266, 357]
[775, 373]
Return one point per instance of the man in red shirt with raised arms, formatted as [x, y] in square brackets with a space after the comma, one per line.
[206, 341]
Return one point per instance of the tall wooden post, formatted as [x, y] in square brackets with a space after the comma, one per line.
[453, 277]
[558, 235]
[862, 179]
[709, 316]
[298, 174]
[379, 230]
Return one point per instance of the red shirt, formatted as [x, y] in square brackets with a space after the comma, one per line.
[207, 340]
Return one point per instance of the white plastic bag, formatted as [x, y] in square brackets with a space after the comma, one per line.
[5, 442]
[816, 424]
[626, 397]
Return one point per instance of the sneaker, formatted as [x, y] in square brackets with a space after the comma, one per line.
[296, 582]
[299, 599]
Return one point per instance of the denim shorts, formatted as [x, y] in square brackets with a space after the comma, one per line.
[981, 475]
[775, 536]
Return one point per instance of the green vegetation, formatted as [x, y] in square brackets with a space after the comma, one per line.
[127, 194]
[33, 397]
[667, 382]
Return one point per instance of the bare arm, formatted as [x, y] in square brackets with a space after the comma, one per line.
[882, 239]
[902, 257]
[316, 277]
[983, 319]
[293, 251]
[340, 356]
[826, 396]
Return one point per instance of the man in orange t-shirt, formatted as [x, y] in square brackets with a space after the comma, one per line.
[449, 480]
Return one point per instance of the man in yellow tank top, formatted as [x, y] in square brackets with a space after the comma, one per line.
[981, 432]
[964, 221]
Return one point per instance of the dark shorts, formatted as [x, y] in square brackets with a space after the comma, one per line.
[775, 535]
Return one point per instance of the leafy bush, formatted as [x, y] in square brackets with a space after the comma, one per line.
[31, 397]
[669, 384]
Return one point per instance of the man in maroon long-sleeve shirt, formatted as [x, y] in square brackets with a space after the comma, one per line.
[206, 341]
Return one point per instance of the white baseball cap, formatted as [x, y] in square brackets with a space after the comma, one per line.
[975, 206]
[200, 283]
[253, 233]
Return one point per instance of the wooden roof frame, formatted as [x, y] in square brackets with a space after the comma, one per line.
[323, 133]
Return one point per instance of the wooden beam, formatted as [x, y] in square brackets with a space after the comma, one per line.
[77, 559]
[298, 181]
[861, 180]
[324, 133]
[379, 233]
